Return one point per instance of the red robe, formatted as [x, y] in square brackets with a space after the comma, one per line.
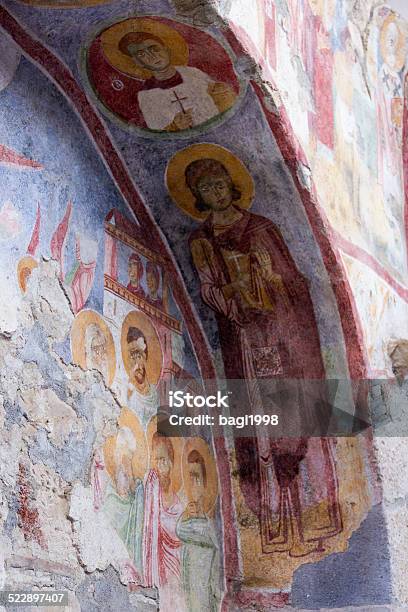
[268, 330]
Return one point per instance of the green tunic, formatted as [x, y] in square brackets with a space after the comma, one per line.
[126, 516]
[200, 564]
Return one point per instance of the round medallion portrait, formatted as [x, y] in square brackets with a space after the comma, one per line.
[161, 76]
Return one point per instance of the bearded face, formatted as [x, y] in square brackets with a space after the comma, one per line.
[137, 360]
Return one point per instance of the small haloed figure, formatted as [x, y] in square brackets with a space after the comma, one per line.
[200, 556]
[135, 271]
[175, 97]
[123, 499]
[161, 545]
[153, 284]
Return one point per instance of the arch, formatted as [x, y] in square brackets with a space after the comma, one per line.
[60, 75]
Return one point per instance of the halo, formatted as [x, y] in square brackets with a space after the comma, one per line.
[138, 319]
[401, 46]
[79, 326]
[179, 51]
[139, 458]
[202, 447]
[176, 182]
[24, 268]
[177, 446]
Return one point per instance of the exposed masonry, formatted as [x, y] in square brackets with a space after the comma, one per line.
[52, 416]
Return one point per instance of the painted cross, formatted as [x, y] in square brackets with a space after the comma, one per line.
[179, 101]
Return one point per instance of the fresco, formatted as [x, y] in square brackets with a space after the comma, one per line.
[154, 491]
[267, 329]
[244, 246]
[152, 73]
[345, 105]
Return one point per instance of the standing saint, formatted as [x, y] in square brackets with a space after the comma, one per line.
[200, 552]
[161, 545]
[123, 498]
[267, 329]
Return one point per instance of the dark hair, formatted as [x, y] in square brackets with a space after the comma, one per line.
[196, 457]
[134, 258]
[134, 333]
[154, 270]
[158, 439]
[196, 170]
[136, 38]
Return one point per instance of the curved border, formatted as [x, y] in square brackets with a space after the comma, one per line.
[292, 154]
[58, 73]
[203, 128]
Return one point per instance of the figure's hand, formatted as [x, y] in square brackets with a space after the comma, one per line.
[265, 264]
[182, 121]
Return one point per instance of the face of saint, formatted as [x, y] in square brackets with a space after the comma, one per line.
[152, 283]
[98, 350]
[162, 465]
[133, 271]
[215, 192]
[196, 481]
[151, 55]
[138, 360]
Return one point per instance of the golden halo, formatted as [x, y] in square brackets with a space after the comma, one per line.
[139, 457]
[110, 38]
[401, 45]
[138, 319]
[176, 182]
[177, 444]
[202, 447]
[24, 268]
[79, 327]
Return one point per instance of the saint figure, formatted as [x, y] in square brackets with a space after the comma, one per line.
[143, 398]
[200, 555]
[161, 545]
[153, 284]
[175, 97]
[123, 499]
[135, 271]
[267, 330]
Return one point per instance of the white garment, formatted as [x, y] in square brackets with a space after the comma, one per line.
[144, 406]
[160, 106]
